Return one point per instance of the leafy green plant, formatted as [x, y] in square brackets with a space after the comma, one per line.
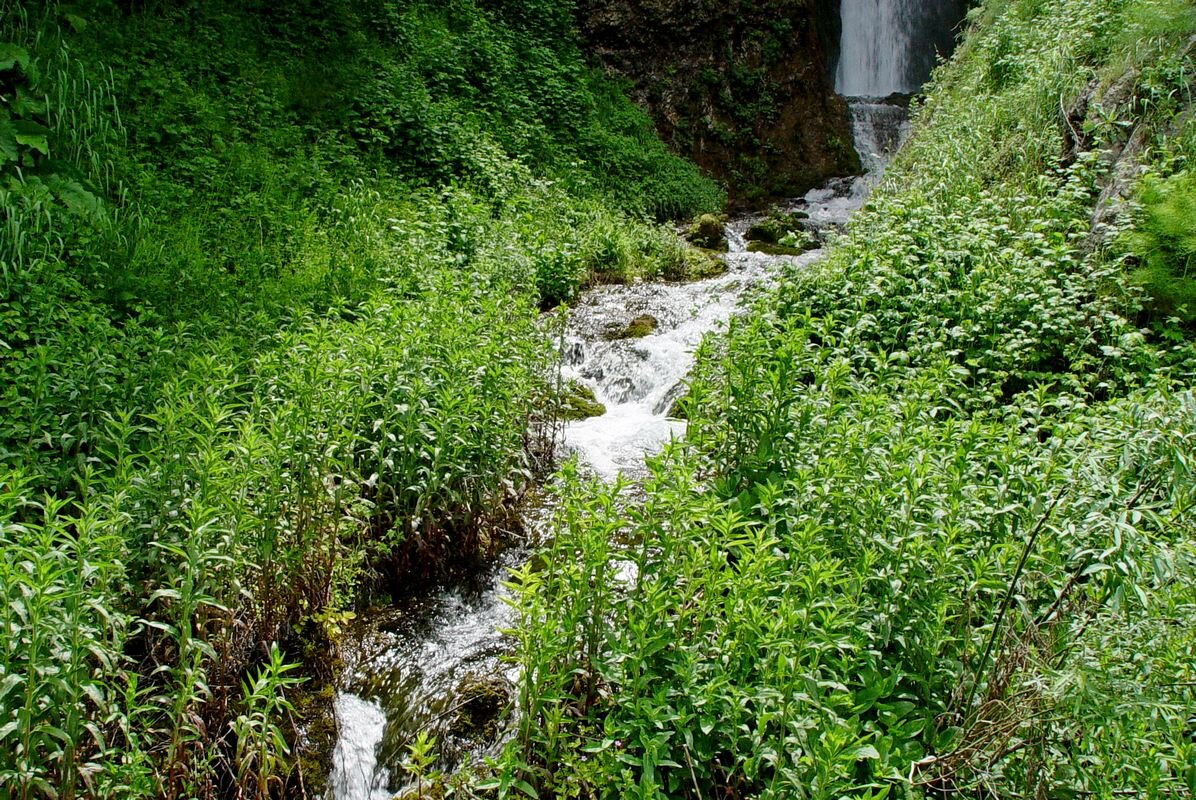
[262, 747]
[421, 755]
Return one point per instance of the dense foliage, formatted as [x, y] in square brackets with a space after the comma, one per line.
[270, 280]
[931, 532]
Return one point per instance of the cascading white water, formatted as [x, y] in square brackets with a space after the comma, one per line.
[890, 46]
[875, 48]
[404, 667]
[877, 130]
[355, 769]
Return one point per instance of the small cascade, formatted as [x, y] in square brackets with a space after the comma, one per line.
[355, 772]
[424, 664]
[877, 129]
[639, 379]
[405, 666]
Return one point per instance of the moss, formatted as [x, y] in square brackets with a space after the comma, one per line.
[638, 328]
[695, 264]
[708, 231]
[773, 249]
[778, 226]
[315, 723]
[481, 702]
[577, 401]
[767, 230]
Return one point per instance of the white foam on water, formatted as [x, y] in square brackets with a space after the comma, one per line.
[355, 771]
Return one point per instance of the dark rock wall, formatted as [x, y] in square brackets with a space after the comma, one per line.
[941, 23]
[742, 87]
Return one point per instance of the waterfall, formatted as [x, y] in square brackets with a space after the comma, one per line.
[891, 45]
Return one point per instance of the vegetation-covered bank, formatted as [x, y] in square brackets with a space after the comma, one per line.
[931, 533]
[270, 277]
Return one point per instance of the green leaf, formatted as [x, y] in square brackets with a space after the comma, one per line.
[949, 739]
[864, 751]
[8, 142]
[13, 56]
[77, 199]
[32, 134]
[26, 105]
[527, 789]
[9, 683]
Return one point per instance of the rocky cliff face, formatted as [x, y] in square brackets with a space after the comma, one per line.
[742, 87]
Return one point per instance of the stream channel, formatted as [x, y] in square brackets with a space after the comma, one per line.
[408, 666]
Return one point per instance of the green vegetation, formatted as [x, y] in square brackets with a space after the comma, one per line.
[1165, 240]
[931, 533]
[269, 339]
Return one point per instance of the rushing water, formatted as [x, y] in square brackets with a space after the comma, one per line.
[405, 667]
[892, 45]
[408, 668]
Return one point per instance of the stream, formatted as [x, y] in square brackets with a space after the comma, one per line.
[415, 666]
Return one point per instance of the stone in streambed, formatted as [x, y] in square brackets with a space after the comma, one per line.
[577, 401]
[695, 264]
[708, 231]
[480, 702]
[638, 328]
[773, 249]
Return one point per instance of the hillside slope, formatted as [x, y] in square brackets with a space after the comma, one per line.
[931, 533]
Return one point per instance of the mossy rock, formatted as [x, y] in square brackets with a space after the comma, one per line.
[773, 249]
[708, 231]
[768, 230]
[695, 264]
[700, 266]
[777, 227]
[314, 712]
[480, 703]
[577, 401]
[638, 328]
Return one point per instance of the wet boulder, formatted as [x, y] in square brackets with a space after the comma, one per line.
[708, 231]
[638, 328]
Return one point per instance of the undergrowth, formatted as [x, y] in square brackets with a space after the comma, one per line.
[270, 277]
[930, 534]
